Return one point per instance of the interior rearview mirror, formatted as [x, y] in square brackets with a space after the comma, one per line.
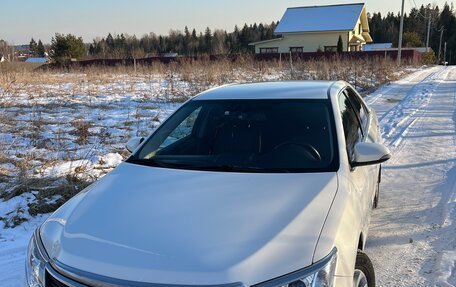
[370, 154]
[134, 143]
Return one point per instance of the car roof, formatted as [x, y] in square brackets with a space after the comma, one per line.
[274, 90]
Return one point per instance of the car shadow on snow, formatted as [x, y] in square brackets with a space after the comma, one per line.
[420, 164]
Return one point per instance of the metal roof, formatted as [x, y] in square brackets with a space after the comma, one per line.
[320, 18]
[377, 46]
[41, 60]
[266, 41]
[270, 90]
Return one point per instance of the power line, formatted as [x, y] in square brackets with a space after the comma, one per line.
[418, 10]
[410, 2]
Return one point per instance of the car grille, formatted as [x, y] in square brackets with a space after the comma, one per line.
[53, 282]
[55, 279]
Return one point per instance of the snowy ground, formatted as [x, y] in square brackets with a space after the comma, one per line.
[413, 236]
[413, 232]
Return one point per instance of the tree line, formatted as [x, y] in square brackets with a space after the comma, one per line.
[383, 29]
[189, 43]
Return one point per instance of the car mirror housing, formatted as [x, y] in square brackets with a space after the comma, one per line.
[370, 154]
[134, 143]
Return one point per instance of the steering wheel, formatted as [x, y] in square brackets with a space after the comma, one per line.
[309, 149]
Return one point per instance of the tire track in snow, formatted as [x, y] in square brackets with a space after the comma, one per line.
[398, 130]
[396, 122]
[412, 239]
[379, 94]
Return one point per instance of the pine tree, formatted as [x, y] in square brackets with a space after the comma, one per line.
[187, 39]
[161, 45]
[340, 45]
[40, 49]
[201, 44]
[412, 39]
[32, 47]
[66, 47]
[235, 40]
[193, 43]
[207, 41]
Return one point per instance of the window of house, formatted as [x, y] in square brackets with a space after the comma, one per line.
[360, 28]
[354, 48]
[296, 49]
[330, 48]
[269, 50]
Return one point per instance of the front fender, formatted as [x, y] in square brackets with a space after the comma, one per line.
[342, 229]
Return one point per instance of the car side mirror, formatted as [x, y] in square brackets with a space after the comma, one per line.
[134, 143]
[370, 154]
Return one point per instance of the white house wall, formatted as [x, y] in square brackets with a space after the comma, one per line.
[357, 32]
[311, 42]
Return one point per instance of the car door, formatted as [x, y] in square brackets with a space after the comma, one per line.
[359, 181]
[370, 134]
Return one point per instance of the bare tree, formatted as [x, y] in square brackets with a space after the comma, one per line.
[4, 48]
[218, 42]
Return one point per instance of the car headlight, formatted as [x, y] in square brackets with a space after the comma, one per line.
[320, 274]
[35, 264]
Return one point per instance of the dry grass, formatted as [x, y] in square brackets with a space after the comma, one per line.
[43, 122]
[14, 218]
[17, 67]
[200, 74]
[81, 130]
[52, 196]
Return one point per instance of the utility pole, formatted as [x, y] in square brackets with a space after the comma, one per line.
[401, 31]
[440, 43]
[428, 33]
[444, 55]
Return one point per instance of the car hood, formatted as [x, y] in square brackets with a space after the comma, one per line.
[172, 226]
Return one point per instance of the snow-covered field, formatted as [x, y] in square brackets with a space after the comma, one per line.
[413, 236]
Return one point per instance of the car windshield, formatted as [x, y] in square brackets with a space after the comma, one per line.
[245, 136]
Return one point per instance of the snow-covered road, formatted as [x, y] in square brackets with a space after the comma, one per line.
[413, 232]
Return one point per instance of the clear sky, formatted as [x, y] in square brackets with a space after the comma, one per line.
[41, 19]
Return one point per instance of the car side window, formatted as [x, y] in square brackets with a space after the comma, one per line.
[360, 109]
[352, 130]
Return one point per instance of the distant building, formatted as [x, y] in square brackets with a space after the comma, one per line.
[315, 28]
[387, 47]
[165, 55]
[377, 46]
[22, 52]
[170, 55]
[37, 60]
[420, 49]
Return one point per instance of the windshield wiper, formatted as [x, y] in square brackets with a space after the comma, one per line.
[177, 165]
[234, 168]
[224, 167]
[150, 162]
